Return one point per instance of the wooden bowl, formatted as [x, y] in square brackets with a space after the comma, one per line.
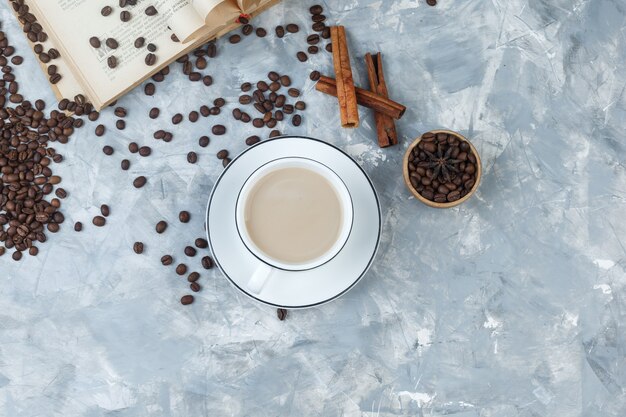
[407, 181]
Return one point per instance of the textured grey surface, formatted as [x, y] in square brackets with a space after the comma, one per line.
[510, 305]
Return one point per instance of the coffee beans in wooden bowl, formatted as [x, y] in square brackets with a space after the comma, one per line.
[442, 168]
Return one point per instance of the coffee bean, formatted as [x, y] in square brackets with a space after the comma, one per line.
[125, 16]
[296, 120]
[192, 157]
[207, 262]
[218, 130]
[150, 59]
[280, 31]
[279, 115]
[189, 251]
[193, 277]
[315, 75]
[99, 221]
[17, 255]
[292, 28]
[201, 243]
[431, 2]
[193, 116]
[161, 226]
[211, 50]
[302, 57]
[95, 42]
[275, 133]
[273, 76]
[313, 50]
[120, 124]
[100, 130]
[108, 150]
[285, 81]
[195, 287]
[219, 102]
[112, 61]
[145, 151]
[261, 33]
[252, 140]
[318, 26]
[111, 43]
[33, 251]
[138, 248]
[181, 269]
[125, 164]
[300, 105]
[133, 147]
[288, 108]
[326, 33]
[78, 226]
[105, 210]
[318, 18]
[234, 39]
[204, 141]
[177, 118]
[245, 87]
[247, 29]
[149, 89]
[151, 11]
[61, 193]
[281, 313]
[313, 39]
[139, 181]
[245, 117]
[329, 47]
[214, 111]
[106, 10]
[316, 9]
[139, 42]
[154, 113]
[186, 300]
[258, 123]
[167, 260]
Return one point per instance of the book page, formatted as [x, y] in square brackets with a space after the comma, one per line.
[72, 22]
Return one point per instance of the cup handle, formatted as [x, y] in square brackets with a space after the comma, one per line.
[259, 278]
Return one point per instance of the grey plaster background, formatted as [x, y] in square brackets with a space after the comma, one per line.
[510, 305]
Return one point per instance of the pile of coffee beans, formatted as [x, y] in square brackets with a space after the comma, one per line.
[442, 167]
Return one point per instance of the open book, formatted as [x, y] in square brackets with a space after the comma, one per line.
[71, 23]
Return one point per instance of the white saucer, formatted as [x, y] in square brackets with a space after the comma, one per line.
[288, 289]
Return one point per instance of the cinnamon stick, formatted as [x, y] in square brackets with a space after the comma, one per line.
[365, 98]
[346, 95]
[385, 126]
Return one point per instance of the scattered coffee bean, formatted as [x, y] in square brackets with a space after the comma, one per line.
[105, 210]
[318, 18]
[190, 251]
[275, 133]
[161, 226]
[313, 49]
[139, 42]
[234, 39]
[204, 141]
[139, 181]
[151, 11]
[247, 29]
[100, 130]
[106, 10]
[150, 59]
[192, 157]
[261, 33]
[167, 260]
[184, 216]
[245, 87]
[316, 9]
[149, 89]
[193, 277]
[138, 248]
[177, 118]
[281, 313]
[329, 47]
[125, 16]
[151, 47]
[61, 193]
[120, 124]
[145, 151]
[125, 164]
[315, 75]
[95, 42]
[154, 113]
[133, 147]
[292, 28]
[431, 2]
[181, 269]
[293, 92]
[201, 243]
[108, 150]
[218, 130]
[207, 262]
[112, 61]
[302, 56]
[296, 120]
[318, 26]
[111, 43]
[195, 287]
[186, 300]
[78, 226]
[252, 140]
[99, 221]
[17, 255]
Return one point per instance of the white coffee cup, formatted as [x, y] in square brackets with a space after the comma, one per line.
[269, 265]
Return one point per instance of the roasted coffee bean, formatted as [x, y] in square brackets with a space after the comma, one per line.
[204, 141]
[252, 140]
[262, 86]
[318, 26]
[316, 9]
[151, 47]
[192, 157]
[300, 105]
[288, 108]
[78, 226]
[234, 39]
[219, 102]
[273, 76]
[17, 255]
[211, 50]
[181, 269]
[280, 31]
[315, 75]
[133, 147]
[214, 111]
[281, 313]
[120, 124]
[302, 56]
[313, 50]
[313, 39]
[222, 154]
[201, 243]
[218, 130]
[139, 42]
[195, 287]
[108, 150]
[150, 59]
[431, 2]
[225, 162]
[139, 181]
[112, 61]
[95, 42]
[190, 251]
[177, 118]
[207, 262]
[125, 16]
[151, 11]
[106, 10]
[60, 192]
[247, 29]
[193, 116]
[161, 226]
[154, 113]
[167, 260]
[205, 111]
[329, 47]
[292, 28]
[99, 221]
[237, 114]
[186, 300]
[201, 63]
[193, 277]
[105, 210]
[261, 33]
[145, 151]
[111, 43]
[138, 248]
[100, 130]
[149, 89]
[296, 120]
[125, 164]
[245, 117]
[258, 123]
[318, 18]
[326, 33]
[245, 87]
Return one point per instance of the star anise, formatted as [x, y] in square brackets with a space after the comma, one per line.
[441, 163]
